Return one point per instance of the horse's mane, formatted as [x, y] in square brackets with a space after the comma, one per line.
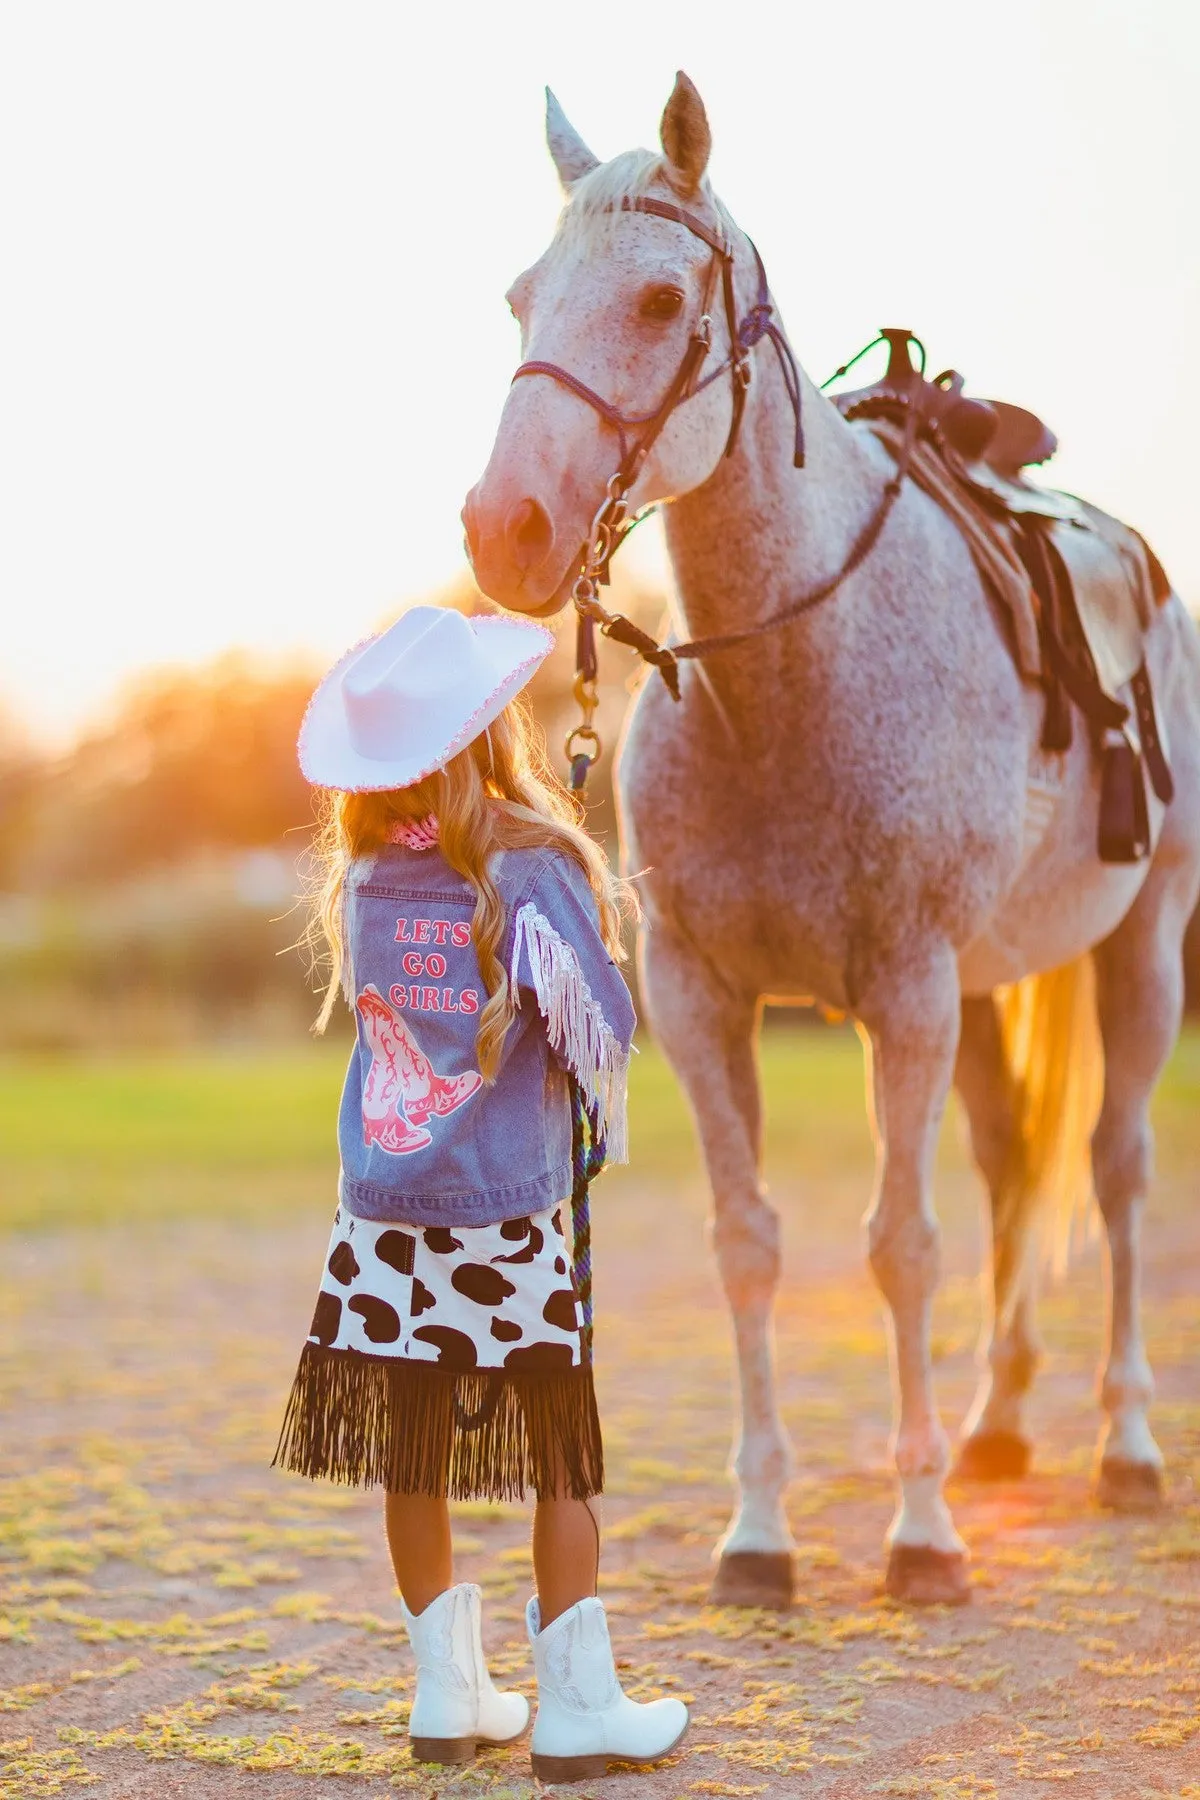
[593, 211]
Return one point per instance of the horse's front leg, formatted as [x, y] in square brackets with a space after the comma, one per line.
[709, 1036]
[994, 1445]
[913, 1021]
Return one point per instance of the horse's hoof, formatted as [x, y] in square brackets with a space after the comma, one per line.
[1129, 1487]
[754, 1578]
[993, 1456]
[922, 1576]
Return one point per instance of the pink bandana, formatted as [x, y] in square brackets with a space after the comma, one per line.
[422, 835]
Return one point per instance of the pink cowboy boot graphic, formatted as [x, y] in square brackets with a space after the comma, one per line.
[402, 1087]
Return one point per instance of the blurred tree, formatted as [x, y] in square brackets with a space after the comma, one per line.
[193, 759]
[21, 776]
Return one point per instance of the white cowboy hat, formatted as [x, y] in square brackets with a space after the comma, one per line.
[401, 705]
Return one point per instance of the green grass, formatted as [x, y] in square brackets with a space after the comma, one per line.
[89, 1143]
[209, 1111]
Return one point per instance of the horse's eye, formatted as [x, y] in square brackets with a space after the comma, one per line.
[662, 304]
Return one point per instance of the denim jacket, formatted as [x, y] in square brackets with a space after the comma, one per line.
[422, 1140]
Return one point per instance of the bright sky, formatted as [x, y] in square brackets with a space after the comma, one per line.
[254, 333]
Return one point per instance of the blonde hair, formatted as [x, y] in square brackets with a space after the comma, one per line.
[498, 794]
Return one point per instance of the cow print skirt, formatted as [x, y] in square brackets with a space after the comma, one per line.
[448, 1362]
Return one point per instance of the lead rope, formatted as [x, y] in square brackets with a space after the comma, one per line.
[588, 1151]
[609, 529]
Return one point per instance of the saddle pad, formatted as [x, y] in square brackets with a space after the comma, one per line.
[1118, 582]
[1114, 592]
[1017, 496]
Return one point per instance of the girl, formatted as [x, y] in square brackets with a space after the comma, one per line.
[473, 927]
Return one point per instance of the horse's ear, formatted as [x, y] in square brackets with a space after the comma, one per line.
[572, 158]
[686, 138]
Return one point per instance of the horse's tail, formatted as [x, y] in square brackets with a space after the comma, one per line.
[1055, 1061]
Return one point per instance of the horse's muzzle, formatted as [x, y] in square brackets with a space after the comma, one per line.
[512, 550]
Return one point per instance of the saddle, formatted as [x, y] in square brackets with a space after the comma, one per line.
[1079, 589]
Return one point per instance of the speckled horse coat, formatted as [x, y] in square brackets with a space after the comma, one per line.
[846, 810]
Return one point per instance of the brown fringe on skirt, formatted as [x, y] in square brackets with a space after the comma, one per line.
[420, 1428]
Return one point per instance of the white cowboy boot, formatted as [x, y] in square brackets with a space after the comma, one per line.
[584, 1721]
[456, 1707]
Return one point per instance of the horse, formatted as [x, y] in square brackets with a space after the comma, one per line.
[852, 806]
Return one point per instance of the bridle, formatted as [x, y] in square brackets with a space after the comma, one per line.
[612, 523]
[743, 335]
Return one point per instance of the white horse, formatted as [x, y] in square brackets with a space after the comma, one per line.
[855, 808]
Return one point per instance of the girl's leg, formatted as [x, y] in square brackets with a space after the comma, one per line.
[418, 1531]
[566, 1554]
[455, 1706]
[584, 1720]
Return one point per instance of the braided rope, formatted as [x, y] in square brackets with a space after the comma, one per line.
[588, 1152]
[587, 1159]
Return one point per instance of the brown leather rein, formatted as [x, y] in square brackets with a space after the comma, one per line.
[612, 523]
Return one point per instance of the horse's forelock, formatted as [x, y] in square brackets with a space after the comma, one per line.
[592, 215]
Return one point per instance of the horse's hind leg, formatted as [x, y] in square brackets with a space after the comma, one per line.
[1139, 987]
[709, 1037]
[994, 1446]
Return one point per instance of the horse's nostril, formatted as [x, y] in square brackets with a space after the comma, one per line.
[530, 534]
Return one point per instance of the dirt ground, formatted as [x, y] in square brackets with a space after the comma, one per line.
[179, 1620]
